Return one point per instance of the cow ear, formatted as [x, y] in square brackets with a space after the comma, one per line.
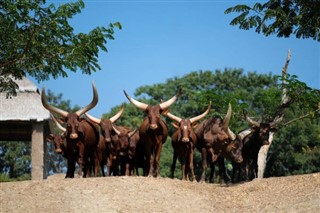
[273, 129]
[194, 125]
[175, 125]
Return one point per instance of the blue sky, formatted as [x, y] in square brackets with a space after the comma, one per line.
[165, 39]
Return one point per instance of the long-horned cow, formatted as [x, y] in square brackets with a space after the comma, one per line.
[108, 144]
[212, 133]
[123, 157]
[82, 136]
[153, 132]
[184, 140]
[258, 137]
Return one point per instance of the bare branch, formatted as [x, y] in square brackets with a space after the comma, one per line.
[301, 117]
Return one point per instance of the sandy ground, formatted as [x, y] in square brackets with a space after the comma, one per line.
[299, 193]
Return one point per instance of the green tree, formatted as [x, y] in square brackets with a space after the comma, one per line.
[15, 159]
[37, 40]
[281, 17]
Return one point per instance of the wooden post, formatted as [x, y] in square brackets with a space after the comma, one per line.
[38, 152]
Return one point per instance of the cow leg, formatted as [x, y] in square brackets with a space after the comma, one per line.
[80, 158]
[212, 172]
[71, 163]
[173, 164]
[157, 159]
[191, 167]
[224, 178]
[204, 164]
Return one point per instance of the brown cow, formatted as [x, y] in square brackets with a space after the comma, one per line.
[110, 138]
[123, 159]
[184, 141]
[82, 136]
[252, 143]
[230, 150]
[211, 133]
[153, 132]
[58, 140]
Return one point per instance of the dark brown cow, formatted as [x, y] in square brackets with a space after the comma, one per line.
[184, 141]
[58, 140]
[230, 150]
[110, 138]
[212, 133]
[252, 143]
[123, 159]
[153, 132]
[82, 136]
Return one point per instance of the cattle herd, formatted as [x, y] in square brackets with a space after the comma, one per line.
[94, 143]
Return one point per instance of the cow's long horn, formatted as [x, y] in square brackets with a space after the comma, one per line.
[276, 122]
[167, 103]
[252, 122]
[117, 116]
[226, 122]
[57, 123]
[138, 104]
[92, 104]
[194, 119]
[130, 134]
[50, 107]
[116, 130]
[93, 119]
[173, 117]
[244, 133]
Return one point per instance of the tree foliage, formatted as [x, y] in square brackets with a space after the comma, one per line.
[37, 40]
[281, 17]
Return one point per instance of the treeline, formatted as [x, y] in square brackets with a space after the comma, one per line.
[296, 146]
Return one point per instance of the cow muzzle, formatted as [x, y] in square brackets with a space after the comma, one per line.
[59, 151]
[73, 135]
[153, 126]
[185, 140]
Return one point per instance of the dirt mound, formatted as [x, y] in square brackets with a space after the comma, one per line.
[299, 193]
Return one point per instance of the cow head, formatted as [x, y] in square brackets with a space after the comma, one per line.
[153, 112]
[124, 135]
[262, 130]
[185, 126]
[106, 124]
[72, 120]
[58, 142]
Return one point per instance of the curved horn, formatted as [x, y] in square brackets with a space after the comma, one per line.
[50, 107]
[167, 103]
[92, 104]
[115, 129]
[173, 117]
[117, 116]
[138, 104]
[276, 122]
[57, 123]
[93, 119]
[231, 135]
[244, 133]
[252, 122]
[226, 122]
[130, 134]
[194, 119]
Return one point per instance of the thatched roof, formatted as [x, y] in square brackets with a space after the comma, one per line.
[26, 106]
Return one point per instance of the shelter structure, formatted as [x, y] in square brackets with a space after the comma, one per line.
[23, 118]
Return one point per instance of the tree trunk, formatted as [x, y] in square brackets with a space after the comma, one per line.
[262, 156]
[263, 152]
